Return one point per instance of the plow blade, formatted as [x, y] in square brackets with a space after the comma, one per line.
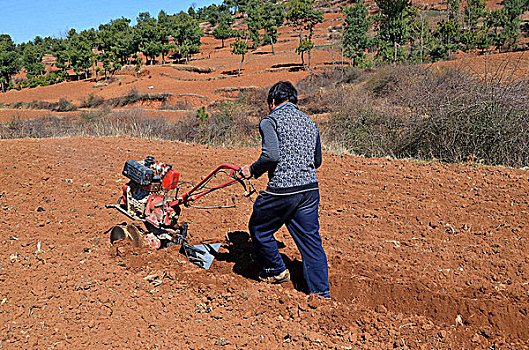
[201, 254]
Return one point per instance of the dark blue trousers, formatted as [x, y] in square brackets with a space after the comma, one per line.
[299, 212]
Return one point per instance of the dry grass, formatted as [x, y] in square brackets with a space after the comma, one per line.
[225, 127]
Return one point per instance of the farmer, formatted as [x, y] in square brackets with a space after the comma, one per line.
[291, 153]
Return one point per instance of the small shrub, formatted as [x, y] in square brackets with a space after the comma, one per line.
[202, 115]
[43, 127]
[93, 101]
[180, 105]
[352, 75]
[228, 125]
[359, 124]
[133, 96]
[38, 104]
[64, 106]
[449, 115]
[130, 98]
[316, 81]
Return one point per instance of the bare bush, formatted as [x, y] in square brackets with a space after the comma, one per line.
[93, 101]
[228, 126]
[357, 127]
[43, 127]
[37, 104]
[134, 96]
[457, 116]
[450, 115]
[254, 101]
[179, 106]
[185, 129]
[328, 79]
[65, 106]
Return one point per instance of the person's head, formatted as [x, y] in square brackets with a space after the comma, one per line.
[282, 91]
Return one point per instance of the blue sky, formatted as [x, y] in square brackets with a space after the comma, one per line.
[23, 20]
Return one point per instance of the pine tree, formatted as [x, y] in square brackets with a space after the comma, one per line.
[32, 59]
[148, 37]
[79, 50]
[302, 14]
[274, 18]
[223, 31]
[240, 47]
[394, 29]
[356, 25]
[511, 20]
[422, 39]
[9, 63]
[186, 34]
[117, 37]
[164, 29]
[473, 30]
[297, 12]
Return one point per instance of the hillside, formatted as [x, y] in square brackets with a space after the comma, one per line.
[212, 74]
[193, 89]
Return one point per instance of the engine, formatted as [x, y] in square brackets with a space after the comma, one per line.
[152, 185]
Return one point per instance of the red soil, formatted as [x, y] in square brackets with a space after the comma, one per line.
[421, 255]
[411, 246]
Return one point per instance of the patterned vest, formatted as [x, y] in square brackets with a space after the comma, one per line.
[297, 135]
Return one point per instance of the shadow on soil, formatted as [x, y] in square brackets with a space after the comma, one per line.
[241, 253]
[292, 67]
[230, 72]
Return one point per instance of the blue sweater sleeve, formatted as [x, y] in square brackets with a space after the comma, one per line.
[270, 149]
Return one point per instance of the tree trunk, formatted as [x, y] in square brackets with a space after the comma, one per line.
[332, 48]
[303, 60]
[163, 57]
[242, 60]
[222, 42]
[422, 37]
[272, 43]
[395, 53]
[300, 34]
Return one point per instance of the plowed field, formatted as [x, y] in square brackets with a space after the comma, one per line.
[421, 255]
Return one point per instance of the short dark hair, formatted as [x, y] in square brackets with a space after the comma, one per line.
[281, 92]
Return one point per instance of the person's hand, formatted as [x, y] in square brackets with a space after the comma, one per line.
[245, 171]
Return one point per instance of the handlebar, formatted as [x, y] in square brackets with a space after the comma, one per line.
[235, 173]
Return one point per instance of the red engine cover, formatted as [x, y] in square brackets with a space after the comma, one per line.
[170, 180]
